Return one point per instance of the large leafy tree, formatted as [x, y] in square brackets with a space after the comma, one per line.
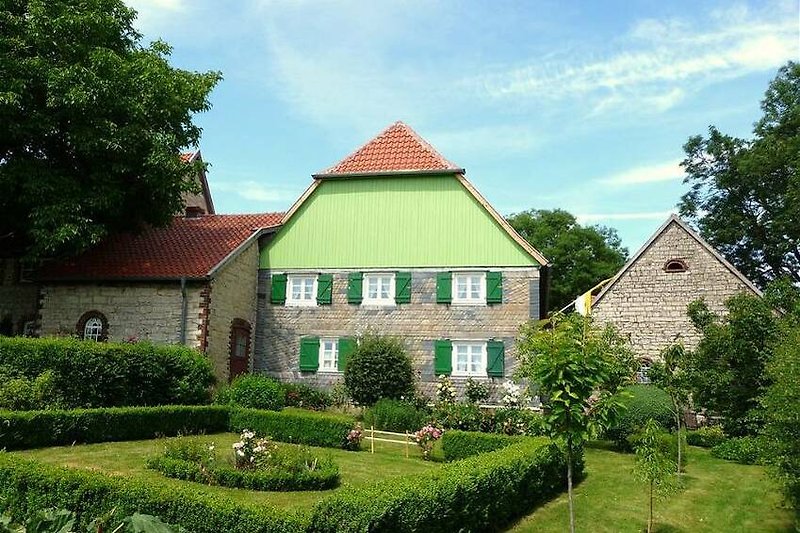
[581, 256]
[91, 124]
[745, 194]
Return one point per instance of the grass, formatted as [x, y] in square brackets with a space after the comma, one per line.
[717, 496]
[128, 458]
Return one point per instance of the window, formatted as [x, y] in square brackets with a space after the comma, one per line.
[328, 355]
[239, 362]
[93, 326]
[302, 290]
[642, 375]
[676, 265]
[469, 358]
[378, 289]
[469, 288]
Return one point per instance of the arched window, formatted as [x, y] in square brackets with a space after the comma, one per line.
[642, 375]
[92, 326]
[675, 265]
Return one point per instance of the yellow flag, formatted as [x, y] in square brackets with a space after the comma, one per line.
[583, 303]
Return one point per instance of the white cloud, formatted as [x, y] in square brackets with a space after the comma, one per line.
[257, 192]
[667, 171]
[584, 218]
[156, 15]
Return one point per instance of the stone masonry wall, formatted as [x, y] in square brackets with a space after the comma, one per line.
[419, 324]
[146, 311]
[648, 305]
[233, 295]
[18, 300]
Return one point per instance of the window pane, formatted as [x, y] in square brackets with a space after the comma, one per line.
[385, 286]
[461, 287]
[372, 288]
[475, 287]
[295, 289]
[461, 362]
[308, 288]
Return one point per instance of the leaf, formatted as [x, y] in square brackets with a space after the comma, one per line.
[142, 523]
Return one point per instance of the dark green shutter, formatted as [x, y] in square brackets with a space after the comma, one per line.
[494, 287]
[496, 359]
[442, 357]
[354, 282]
[309, 354]
[324, 289]
[278, 294]
[444, 287]
[402, 287]
[346, 347]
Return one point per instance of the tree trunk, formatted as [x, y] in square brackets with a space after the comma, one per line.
[678, 420]
[569, 487]
[650, 518]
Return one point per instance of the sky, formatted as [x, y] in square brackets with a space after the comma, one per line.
[583, 106]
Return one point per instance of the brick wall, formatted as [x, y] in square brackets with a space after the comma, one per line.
[419, 323]
[648, 305]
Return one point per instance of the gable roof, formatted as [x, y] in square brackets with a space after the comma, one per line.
[675, 219]
[192, 248]
[205, 190]
[397, 149]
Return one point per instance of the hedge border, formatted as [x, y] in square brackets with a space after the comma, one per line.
[457, 445]
[294, 426]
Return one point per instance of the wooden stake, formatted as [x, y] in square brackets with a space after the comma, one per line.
[372, 440]
[406, 444]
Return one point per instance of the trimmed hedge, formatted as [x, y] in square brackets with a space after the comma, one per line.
[253, 391]
[294, 426]
[641, 403]
[482, 493]
[457, 445]
[105, 374]
[36, 429]
[395, 415]
[325, 477]
[706, 437]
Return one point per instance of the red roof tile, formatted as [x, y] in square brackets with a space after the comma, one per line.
[398, 148]
[190, 247]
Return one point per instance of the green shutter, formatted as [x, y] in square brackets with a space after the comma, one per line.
[443, 357]
[494, 287]
[324, 289]
[346, 347]
[496, 359]
[309, 354]
[402, 287]
[354, 282]
[444, 287]
[278, 294]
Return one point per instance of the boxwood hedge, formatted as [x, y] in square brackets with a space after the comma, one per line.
[458, 445]
[295, 426]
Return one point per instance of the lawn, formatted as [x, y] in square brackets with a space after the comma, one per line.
[718, 496]
[128, 458]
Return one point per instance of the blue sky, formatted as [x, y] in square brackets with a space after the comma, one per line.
[579, 105]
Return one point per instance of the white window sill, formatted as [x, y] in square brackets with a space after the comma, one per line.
[301, 304]
[468, 303]
[377, 303]
[467, 375]
[330, 372]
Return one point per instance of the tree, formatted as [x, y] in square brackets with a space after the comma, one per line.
[670, 375]
[575, 371]
[653, 466]
[92, 125]
[581, 256]
[745, 194]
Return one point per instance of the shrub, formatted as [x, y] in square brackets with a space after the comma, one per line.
[510, 421]
[253, 391]
[640, 403]
[301, 395]
[33, 429]
[667, 444]
[295, 426]
[378, 368]
[25, 394]
[105, 374]
[743, 450]
[457, 445]
[463, 416]
[706, 437]
[475, 391]
[394, 415]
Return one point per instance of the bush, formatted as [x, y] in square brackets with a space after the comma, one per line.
[34, 429]
[457, 445]
[667, 444]
[394, 415]
[253, 391]
[295, 426]
[706, 437]
[301, 395]
[743, 450]
[518, 422]
[378, 368]
[92, 374]
[475, 391]
[640, 403]
[26, 394]
[463, 416]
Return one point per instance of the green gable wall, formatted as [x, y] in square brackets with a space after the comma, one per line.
[393, 222]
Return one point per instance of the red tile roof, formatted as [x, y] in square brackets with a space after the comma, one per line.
[189, 247]
[398, 148]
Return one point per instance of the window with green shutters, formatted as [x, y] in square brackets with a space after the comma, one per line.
[309, 354]
[346, 346]
[496, 359]
[278, 291]
[354, 292]
[324, 289]
[443, 357]
[494, 288]
[444, 287]
[402, 290]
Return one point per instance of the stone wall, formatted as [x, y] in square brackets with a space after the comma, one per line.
[18, 300]
[419, 324]
[648, 305]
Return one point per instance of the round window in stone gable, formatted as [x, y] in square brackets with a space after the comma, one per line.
[676, 265]
[92, 326]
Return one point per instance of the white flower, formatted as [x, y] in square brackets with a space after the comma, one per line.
[240, 453]
[238, 445]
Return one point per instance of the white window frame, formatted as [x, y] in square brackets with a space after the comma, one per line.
[93, 329]
[380, 302]
[483, 363]
[323, 353]
[302, 302]
[469, 300]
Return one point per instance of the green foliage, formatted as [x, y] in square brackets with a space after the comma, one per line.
[640, 403]
[510, 421]
[654, 466]
[463, 416]
[295, 426]
[750, 219]
[667, 442]
[379, 368]
[475, 391]
[94, 121]
[395, 415]
[25, 394]
[706, 437]
[191, 449]
[742, 450]
[63, 521]
[253, 391]
[301, 395]
[727, 370]
[35, 429]
[457, 445]
[581, 256]
[105, 374]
